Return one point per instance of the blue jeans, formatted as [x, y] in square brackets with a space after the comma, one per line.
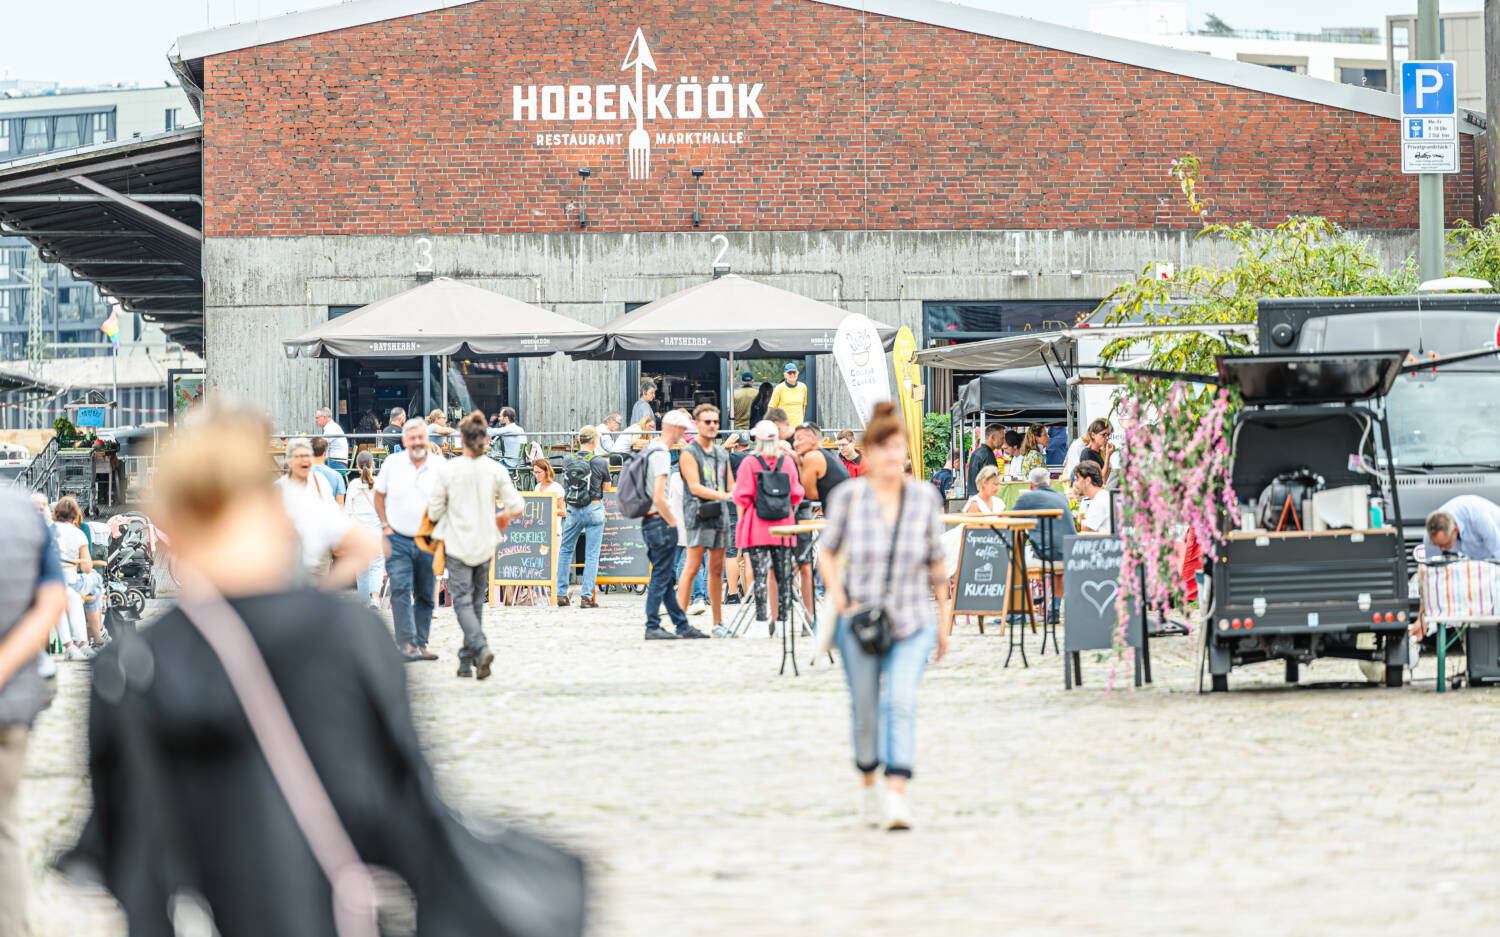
[661, 547]
[700, 581]
[412, 588]
[368, 582]
[883, 698]
[588, 521]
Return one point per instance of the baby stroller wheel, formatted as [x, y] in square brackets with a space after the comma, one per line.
[116, 599]
[135, 600]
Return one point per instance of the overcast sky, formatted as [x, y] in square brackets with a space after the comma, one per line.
[101, 41]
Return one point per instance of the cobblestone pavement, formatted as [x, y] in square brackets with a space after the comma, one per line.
[716, 797]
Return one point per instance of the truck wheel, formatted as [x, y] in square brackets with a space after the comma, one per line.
[1221, 683]
[1393, 674]
[1291, 671]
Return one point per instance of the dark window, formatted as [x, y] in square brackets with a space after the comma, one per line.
[968, 321]
[1363, 77]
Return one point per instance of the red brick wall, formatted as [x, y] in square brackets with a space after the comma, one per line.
[406, 126]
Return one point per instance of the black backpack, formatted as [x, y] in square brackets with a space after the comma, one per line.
[578, 477]
[773, 491]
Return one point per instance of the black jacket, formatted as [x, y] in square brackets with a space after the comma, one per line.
[206, 809]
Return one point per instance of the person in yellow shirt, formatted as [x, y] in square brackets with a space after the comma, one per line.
[791, 396]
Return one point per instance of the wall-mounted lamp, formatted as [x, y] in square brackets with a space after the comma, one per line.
[1075, 272]
[583, 215]
[1020, 272]
[697, 215]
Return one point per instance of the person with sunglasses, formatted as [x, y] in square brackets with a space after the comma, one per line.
[704, 465]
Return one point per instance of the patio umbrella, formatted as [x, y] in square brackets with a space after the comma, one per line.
[729, 315]
[442, 318]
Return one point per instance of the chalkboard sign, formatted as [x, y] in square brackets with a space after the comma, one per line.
[623, 559]
[527, 553]
[985, 572]
[1091, 583]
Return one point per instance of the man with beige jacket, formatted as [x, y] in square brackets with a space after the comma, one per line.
[462, 508]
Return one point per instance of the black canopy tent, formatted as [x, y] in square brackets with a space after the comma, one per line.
[1025, 395]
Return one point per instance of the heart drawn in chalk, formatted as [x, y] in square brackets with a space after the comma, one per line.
[1100, 594]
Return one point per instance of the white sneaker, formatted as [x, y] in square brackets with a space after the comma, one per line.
[74, 652]
[897, 813]
[869, 811]
[697, 608]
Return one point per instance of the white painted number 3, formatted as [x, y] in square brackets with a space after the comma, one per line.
[424, 255]
[723, 243]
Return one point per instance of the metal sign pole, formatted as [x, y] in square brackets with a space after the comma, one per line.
[1430, 185]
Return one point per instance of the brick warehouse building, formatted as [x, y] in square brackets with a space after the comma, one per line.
[959, 171]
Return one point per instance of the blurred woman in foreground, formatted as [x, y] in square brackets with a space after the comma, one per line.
[191, 801]
[882, 547]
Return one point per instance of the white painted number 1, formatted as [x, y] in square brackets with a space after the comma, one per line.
[424, 255]
[723, 243]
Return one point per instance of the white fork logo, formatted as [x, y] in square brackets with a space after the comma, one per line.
[639, 55]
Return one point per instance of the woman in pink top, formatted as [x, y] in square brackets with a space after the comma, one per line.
[753, 533]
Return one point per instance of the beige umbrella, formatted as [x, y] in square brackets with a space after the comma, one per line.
[442, 318]
[729, 315]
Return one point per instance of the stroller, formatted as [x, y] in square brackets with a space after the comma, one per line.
[135, 546]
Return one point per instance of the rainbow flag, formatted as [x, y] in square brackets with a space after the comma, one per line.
[111, 327]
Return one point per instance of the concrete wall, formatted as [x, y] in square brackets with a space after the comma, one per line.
[260, 290]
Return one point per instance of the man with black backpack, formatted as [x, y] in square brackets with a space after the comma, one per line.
[583, 479]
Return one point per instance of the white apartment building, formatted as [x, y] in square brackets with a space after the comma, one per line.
[41, 117]
[1354, 56]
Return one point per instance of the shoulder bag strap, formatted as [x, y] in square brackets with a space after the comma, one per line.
[890, 559]
[231, 642]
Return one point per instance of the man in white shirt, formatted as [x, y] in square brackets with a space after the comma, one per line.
[608, 442]
[338, 443]
[510, 437]
[402, 490]
[1088, 484]
[322, 528]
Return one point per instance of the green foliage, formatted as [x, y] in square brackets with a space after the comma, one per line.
[1302, 256]
[937, 430]
[1215, 26]
[1476, 251]
[64, 428]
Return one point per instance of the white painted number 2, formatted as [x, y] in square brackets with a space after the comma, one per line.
[424, 255]
[723, 243]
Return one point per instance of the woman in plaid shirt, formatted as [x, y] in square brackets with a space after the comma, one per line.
[863, 516]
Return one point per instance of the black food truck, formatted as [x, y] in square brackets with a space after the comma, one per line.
[1313, 557]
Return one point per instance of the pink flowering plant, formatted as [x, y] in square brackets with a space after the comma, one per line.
[1174, 479]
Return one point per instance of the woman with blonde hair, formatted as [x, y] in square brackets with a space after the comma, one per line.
[288, 703]
[437, 424]
[1033, 449]
[881, 556]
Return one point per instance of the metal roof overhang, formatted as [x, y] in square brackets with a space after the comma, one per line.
[125, 216]
[1029, 349]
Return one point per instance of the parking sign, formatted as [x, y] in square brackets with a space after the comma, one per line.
[1429, 117]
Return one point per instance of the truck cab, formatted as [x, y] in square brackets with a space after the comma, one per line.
[1445, 424]
[1318, 570]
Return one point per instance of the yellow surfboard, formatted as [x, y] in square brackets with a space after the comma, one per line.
[910, 390]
